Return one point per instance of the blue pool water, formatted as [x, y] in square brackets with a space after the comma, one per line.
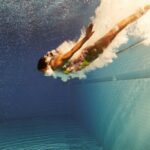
[45, 134]
[110, 110]
[27, 30]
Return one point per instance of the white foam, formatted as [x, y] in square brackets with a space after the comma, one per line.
[107, 15]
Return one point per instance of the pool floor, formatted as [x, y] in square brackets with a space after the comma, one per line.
[45, 134]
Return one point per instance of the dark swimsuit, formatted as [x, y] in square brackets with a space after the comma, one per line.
[87, 56]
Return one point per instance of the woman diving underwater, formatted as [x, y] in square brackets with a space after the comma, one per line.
[56, 61]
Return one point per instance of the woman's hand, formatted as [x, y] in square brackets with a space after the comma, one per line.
[89, 31]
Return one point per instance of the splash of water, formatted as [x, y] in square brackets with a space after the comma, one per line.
[107, 15]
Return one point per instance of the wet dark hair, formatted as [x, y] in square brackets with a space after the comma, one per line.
[41, 64]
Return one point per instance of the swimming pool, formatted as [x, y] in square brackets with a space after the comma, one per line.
[45, 134]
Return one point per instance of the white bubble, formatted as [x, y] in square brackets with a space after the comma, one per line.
[107, 15]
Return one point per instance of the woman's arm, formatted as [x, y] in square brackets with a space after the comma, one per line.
[108, 37]
[89, 33]
[61, 59]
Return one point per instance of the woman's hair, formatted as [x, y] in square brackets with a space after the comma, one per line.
[42, 64]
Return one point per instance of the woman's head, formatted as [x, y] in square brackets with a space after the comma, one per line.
[44, 63]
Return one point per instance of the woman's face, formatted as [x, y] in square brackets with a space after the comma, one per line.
[48, 57]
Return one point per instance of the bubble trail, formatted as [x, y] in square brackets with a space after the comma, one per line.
[107, 15]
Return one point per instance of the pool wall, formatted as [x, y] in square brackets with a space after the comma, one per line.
[24, 101]
[114, 102]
